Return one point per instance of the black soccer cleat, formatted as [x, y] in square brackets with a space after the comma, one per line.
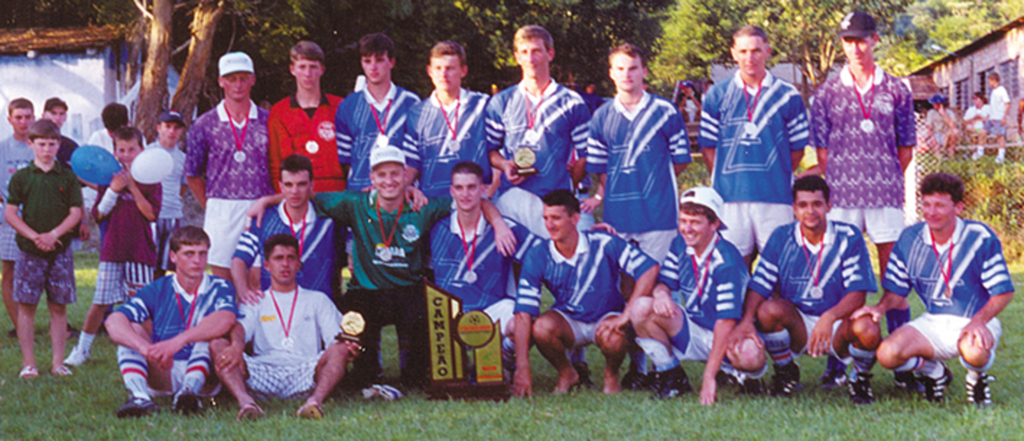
[935, 388]
[860, 389]
[833, 379]
[672, 383]
[786, 380]
[634, 380]
[725, 379]
[980, 394]
[907, 381]
[583, 370]
[136, 407]
[187, 402]
[751, 386]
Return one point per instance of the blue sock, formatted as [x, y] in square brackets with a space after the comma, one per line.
[894, 318]
[134, 371]
[835, 364]
[639, 360]
[777, 344]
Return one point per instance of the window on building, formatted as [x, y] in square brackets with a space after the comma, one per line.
[1008, 75]
[961, 95]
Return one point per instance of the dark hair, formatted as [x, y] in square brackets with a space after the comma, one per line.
[43, 128]
[695, 209]
[19, 103]
[943, 183]
[128, 133]
[54, 102]
[469, 168]
[628, 50]
[379, 43]
[449, 48]
[188, 235]
[114, 116]
[306, 50]
[296, 163]
[750, 31]
[994, 76]
[811, 183]
[562, 198]
[283, 239]
[981, 95]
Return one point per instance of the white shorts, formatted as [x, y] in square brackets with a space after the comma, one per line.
[810, 321]
[224, 222]
[523, 207]
[752, 223]
[653, 243]
[503, 310]
[700, 342]
[583, 333]
[883, 225]
[211, 388]
[943, 332]
[287, 382]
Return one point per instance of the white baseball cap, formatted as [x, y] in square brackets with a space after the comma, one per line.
[708, 197]
[232, 62]
[381, 155]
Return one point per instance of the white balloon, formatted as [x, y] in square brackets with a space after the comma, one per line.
[152, 166]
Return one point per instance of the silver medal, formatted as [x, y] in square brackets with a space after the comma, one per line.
[750, 128]
[239, 156]
[867, 126]
[287, 343]
[382, 140]
[312, 147]
[470, 277]
[453, 145]
[532, 136]
[816, 292]
[384, 254]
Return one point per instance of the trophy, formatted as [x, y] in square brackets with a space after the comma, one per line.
[352, 324]
[524, 160]
[453, 337]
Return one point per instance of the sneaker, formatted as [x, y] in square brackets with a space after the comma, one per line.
[672, 383]
[1000, 159]
[751, 386]
[583, 370]
[907, 381]
[860, 389]
[726, 379]
[187, 402]
[935, 388]
[634, 380]
[833, 379]
[978, 154]
[786, 380]
[979, 394]
[77, 357]
[136, 407]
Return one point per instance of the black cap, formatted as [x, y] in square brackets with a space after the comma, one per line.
[857, 24]
[170, 116]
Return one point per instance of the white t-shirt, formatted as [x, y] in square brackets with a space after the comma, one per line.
[997, 102]
[974, 112]
[316, 321]
[101, 138]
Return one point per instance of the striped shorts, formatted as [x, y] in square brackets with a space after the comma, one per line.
[116, 282]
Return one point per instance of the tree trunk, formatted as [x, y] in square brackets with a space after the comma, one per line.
[153, 91]
[193, 75]
[136, 39]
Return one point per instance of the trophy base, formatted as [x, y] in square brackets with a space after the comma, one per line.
[527, 172]
[469, 392]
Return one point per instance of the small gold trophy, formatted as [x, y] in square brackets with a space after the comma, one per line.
[352, 324]
[524, 159]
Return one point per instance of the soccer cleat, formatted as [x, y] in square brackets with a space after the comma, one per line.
[751, 386]
[935, 388]
[634, 380]
[786, 380]
[726, 379]
[672, 383]
[907, 381]
[136, 407]
[860, 389]
[187, 402]
[979, 394]
[77, 357]
[833, 379]
[583, 370]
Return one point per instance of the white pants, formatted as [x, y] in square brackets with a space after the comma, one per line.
[752, 223]
[943, 332]
[224, 222]
[524, 207]
[883, 225]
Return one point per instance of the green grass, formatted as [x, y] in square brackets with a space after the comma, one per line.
[82, 406]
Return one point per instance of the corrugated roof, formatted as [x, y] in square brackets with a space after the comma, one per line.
[19, 41]
[973, 46]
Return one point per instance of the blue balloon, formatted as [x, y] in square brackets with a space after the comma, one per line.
[94, 165]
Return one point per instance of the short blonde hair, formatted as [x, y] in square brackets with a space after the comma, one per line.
[533, 32]
[446, 48]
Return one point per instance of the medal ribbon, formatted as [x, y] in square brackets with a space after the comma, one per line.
[707, 270]
[291, 315]
[191, 309]
[751, 106]
[302, 232]
[454, 129]
[816, 269]
[238, 139]
[946, 275]
[866, 111]
[531, 118]
[380, 220]
[376, 118]
[470, 252]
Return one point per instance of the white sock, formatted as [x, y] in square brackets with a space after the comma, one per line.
[85, 341]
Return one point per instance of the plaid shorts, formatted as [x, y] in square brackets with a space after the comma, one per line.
[8, 247]
[116, 282]
[33, 274]
[290, 382]
[164, 228]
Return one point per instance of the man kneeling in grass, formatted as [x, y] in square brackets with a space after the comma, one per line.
[287, 362]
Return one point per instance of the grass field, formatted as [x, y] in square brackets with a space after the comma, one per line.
[82, 406]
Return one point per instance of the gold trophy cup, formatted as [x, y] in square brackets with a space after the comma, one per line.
[524, 160]
[352, 324]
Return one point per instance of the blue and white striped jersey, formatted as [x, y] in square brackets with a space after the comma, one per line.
[723, 281]
[586, 286]
[157, 302]
[636, 150]
[979, 269]
[491, 281]
[562, 117]
[428, 146]
[754, 167]
[318, 252]
[786, 264]
[357, 129]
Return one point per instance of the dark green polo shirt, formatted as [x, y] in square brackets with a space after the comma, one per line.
[45, 199]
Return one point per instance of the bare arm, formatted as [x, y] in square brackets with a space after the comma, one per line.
[522, 384]
[819, 338]
[122, 334]
[503, 236]
[723, 328]
[906, 154]
[822, 158]
[198, 186]
[243, 288]
[141, 202]
[709, 159]
[588, 206]
[679, 168]
[976, 330]
[746, 328]
[796, 156]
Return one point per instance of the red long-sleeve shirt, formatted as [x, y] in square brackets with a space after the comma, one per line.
[293, 131]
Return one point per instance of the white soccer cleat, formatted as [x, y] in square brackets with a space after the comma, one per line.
[77, 357]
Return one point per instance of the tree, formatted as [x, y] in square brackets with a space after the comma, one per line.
[153, 90]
